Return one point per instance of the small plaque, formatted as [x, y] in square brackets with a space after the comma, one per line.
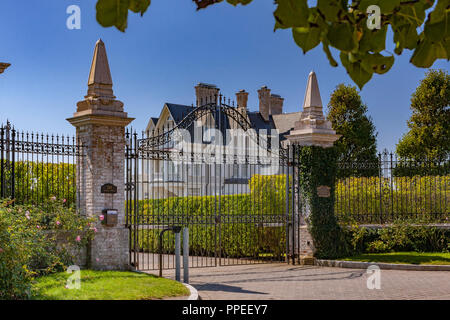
[323, 191]
[109, 188]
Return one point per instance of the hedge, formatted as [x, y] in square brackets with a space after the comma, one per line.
[417, 196]
[240, 233]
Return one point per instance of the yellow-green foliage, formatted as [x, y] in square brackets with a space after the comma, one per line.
[401, 196]
[37, 181]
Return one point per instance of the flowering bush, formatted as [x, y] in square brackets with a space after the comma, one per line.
[29, 246]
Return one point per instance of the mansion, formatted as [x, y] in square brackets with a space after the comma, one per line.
[161, 177]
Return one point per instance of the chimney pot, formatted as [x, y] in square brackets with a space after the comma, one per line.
[276, 104]
[242, 99]
[264, 102]
[206, 92]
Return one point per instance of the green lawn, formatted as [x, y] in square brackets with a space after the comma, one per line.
[107, 285]
[404, 257]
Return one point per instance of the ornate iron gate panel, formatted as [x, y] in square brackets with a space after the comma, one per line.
[238, 205]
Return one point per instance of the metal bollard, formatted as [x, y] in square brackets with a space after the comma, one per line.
[186, 255]
[178, 256]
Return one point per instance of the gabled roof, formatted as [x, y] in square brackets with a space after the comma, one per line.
[179, 111]
[284, 123]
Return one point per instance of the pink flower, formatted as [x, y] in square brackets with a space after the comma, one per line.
[64, 201]
[38, 227]
[53, 198]
[101, 217]
[95, 230]
[78, 239]
[58, 223]
[97, 259]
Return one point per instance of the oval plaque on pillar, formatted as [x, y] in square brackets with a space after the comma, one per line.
[323, 191]
[108, 188]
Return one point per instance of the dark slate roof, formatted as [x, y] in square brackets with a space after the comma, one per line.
[155, 120]
[179, 111]
[258, 123]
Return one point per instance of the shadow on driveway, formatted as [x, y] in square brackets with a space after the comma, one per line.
[225, 288]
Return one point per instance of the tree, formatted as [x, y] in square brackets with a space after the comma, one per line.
[347, 115]
[429, 126]
[351, 27]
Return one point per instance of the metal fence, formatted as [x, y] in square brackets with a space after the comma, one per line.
[393, 188]
[37, 166]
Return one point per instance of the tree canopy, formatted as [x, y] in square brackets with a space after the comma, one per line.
[419, 25]
[348, 117]
[429, 126]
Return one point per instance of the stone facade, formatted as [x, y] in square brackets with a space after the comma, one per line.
[100, 125]
[306, 242]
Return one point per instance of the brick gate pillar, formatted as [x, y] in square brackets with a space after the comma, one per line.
[100, 124]
[312, 139]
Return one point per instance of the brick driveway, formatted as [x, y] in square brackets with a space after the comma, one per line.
[281, 281]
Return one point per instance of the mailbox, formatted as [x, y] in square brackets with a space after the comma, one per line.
[110, 217]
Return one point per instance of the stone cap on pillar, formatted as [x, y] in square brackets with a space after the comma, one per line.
[100, 105]
[313, 129]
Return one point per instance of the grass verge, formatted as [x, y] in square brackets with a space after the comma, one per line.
[434, 258]
[107, 285]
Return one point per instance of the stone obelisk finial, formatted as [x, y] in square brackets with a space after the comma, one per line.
[313, 128]
[100, 99]
[100, 81]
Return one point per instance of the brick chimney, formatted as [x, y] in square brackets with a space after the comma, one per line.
[242, 99]
[276, 104]
[206, 93]
[264, 102]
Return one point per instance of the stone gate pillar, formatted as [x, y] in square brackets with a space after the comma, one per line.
[313, 138]
[100, 124]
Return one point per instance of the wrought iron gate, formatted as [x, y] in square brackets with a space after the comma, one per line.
[235, 194]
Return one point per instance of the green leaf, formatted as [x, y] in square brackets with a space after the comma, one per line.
[236, 2]
[413, 14]
[139, 6]
[341, 36]
[373, 40]
[440, 12]
[428, 51]
[405, 34]
[437, 26]
[386, 6]
[331, 9]
[113, 13]
[358, 74]
[377, 63]
[327, 51]
[306, 38]
[291, 13]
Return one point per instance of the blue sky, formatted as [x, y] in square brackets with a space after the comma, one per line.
[163, 55]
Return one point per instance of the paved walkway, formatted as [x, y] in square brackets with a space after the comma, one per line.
[282, 281]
